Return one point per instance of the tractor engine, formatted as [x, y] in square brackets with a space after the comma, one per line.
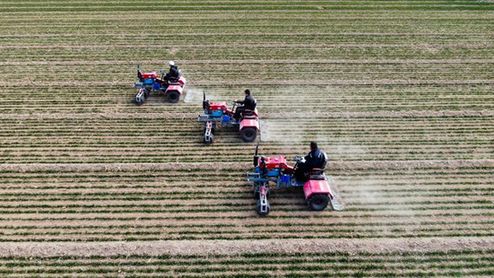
[147, 75]
[274, 169]
[216, 109]
[270, 166]
[147, 78]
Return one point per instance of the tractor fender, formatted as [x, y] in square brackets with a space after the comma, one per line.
[312, 187]
[174, 87]
[182, 81]
[249, 123]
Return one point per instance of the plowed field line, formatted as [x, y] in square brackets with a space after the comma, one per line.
[254, 61]
[231, 247]
[37, 84]
[219, 166]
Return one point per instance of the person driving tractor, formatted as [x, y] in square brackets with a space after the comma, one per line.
[249, 103]
[315, 159]
[173, 74]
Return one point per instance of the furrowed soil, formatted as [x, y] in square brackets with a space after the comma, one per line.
[398, 93]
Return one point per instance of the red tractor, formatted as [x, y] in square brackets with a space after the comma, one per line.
[274, 173]
[149, 82]
[217, 114]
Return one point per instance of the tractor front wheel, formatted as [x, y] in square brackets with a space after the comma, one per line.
[262, 209]
[208, 140]
[248, 134]
[173, 96]
[139, 98]
[318, 202]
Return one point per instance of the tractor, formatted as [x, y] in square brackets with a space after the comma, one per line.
[273, 172]
[149, 82]
[217, 114]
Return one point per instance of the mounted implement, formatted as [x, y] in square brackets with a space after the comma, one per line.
[150, 82]
[217, 114]
[273, 172]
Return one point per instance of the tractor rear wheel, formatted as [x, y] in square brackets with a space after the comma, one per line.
[318, 202]
[248, 134]
[173, 96]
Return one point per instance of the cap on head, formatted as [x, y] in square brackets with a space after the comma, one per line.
[313, 145]
[171, 63]
[247, 92]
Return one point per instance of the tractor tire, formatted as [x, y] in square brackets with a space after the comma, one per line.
[259, 211]
[173, 96]
[248, 134]
[211, 136]
[318, 202]
[139, 98]
[210, 141]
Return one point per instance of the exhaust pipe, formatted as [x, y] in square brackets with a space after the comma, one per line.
[256, 156]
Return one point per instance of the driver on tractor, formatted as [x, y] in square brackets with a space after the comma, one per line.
[315, 162]
[173, 74]
[249, 103]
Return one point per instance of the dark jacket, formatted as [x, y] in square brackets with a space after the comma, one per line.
[249, 102]
[316, 159]
[173, 73]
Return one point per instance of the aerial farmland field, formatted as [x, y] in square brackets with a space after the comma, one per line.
[399, 93]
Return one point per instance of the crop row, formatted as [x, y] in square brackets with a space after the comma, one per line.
[396, 92]
[408, 264]
[162, 156]
[91, 141]
[49, 99]
[318, 72]
[437, 5]
[461, 52]
[191, 204]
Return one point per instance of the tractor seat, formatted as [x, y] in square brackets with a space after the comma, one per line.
[173, 80]
[317, 174]
[249, 114]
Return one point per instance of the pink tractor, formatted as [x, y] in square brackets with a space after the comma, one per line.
[273, 172]
[217, 114]
[150, 82]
